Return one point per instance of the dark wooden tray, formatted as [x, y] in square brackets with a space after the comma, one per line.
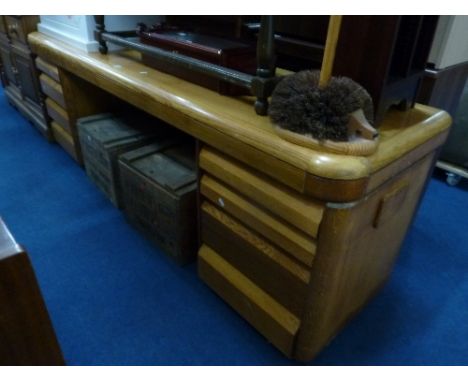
[224, 52]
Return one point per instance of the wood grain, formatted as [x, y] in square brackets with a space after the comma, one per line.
[282, 234]
[65, 140]
[271, 319]
[48, 69]
[52, 89]
[303, 213]
[272, 270]
[354, 258]
[331, 42]
[58, 114]
[202, 113]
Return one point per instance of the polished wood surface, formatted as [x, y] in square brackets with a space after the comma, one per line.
[26, 333]
[214, 119]
[58, 114]
[65, 140]
[50, 70]
[256, 258]
[280, 233]
[303, 213]
[268, 316]
[356, 249]
[52, 89]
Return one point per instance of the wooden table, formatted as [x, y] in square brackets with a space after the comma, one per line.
[295, 240]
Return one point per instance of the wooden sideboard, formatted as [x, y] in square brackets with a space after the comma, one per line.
[295, 240]
[20, 76]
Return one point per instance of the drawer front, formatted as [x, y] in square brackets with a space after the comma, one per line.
[64, 139]
[271, 319]
[52, 89]
[276, 273]
[46, 68]
[283, 235]
[281, 201]
[58, 114]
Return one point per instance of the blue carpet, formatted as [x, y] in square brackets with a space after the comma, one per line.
[115, 300]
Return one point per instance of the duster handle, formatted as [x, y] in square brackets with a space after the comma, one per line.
[330, 48]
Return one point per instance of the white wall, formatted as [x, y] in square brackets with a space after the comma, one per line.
[450, 46]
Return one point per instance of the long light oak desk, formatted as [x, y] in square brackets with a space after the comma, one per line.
[295, 240]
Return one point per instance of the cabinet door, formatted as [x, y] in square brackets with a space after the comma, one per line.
[27, 75]
[8, 67]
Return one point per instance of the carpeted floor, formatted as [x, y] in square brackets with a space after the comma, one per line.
[115, 300]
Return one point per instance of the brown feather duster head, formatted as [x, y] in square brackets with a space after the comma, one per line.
[299, 105]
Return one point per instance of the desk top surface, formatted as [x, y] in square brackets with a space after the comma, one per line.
[202, 112]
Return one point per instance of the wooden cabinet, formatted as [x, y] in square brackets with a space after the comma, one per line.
[27, 335]
[26, 73]
[19, 73]
[9, 68]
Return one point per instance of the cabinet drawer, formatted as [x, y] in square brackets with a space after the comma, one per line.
[52, 89]
[285, 236]
[281, 201]
[46, 68]
[58, 114]
[272, 270]
[64, 139]
[271, 319]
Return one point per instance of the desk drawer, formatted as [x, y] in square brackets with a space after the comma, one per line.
[58, 114]
[277, 274]
[282, 234]
[46, 68]
[281, 201]
[65, 140]
[271, 319]
[52, 89]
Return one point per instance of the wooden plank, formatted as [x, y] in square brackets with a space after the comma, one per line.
[296, 209]
[271, 319]
[283, 235]
[52, 89]
[255, 258]
[65, 140]
[58, 114]
[48, 69]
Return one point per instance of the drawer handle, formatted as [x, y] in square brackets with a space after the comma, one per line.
[390, 203]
